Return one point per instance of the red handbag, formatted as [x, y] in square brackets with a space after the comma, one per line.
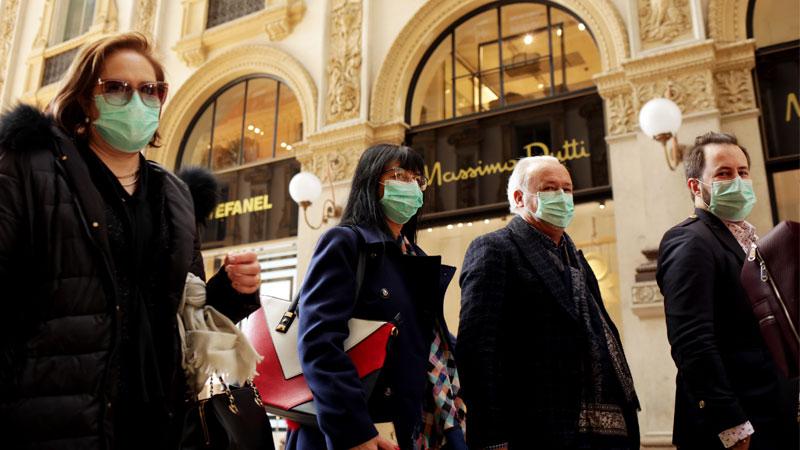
[283, 388]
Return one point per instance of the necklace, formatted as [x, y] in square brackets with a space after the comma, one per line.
[132, 174]
[131, 183]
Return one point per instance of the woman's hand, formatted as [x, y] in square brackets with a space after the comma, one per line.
[376, 443]
[244, 272]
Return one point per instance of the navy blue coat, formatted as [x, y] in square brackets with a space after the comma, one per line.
[394, 284]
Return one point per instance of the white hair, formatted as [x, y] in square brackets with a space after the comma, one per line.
[519, 177]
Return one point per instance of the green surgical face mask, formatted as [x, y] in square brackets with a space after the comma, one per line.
[732, 199]
[401, 200]
[555, 208]
[127, 128]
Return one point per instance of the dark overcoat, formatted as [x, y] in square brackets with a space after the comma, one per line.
[410, 288]
[725, 373]
[521, 347]
[61, 324]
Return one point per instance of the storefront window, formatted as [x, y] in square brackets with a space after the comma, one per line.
[245, 134]
[778, 87]
[500, 56]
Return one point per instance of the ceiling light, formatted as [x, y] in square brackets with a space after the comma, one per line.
[469, 224]
[288, 147]
[430, 230]
[528, 39]
[450, 227]
[559, 31]
[485, 220]
[460, 225]
[250, 127]
[283, 144]
[603, 204]
[541, 85]
[257, 130]
[581, 26]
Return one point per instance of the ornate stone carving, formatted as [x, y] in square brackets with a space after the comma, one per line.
[662, 21]
[621, 116]
[145, 17]
[342, 163]
[692, 92]
[7, 22]
[647, 294]
[280, 22]
[191, 51]
[734, 91]
[344, 65]
[727, 20]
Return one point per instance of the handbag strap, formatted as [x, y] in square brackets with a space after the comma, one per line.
[291, 313]
[767, 277]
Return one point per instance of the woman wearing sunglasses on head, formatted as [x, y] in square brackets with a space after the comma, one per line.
[417, 390]
[95, 246]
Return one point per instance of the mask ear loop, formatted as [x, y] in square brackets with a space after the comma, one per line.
[700, 189]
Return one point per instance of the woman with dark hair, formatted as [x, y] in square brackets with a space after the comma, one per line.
[95, 246]
[417, 390]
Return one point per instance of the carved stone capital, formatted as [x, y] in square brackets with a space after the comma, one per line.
[620, 113]
[191, 51]
[344, 65]
[735, 91]
[280, 22]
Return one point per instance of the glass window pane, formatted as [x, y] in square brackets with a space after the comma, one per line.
[290, 122]
[432, 99]
[526, 52]
[476, 52]
[260, 123]
[787, 194]
[228, 128]
[195, 152]
[88, 16]
[74, 19]
[581, 60]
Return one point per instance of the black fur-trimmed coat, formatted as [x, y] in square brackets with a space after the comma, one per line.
[57, 291]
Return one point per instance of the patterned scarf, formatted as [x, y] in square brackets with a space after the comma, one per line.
[444, 408]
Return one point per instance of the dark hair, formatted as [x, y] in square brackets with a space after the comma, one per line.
[363, 205]
[70, 105]
[695, 160]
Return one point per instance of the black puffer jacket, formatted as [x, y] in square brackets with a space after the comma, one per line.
[57, 293]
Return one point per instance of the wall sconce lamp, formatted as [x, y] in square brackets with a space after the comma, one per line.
[305, 188]
[660, 118]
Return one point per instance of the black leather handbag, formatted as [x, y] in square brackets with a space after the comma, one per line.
[231, 420]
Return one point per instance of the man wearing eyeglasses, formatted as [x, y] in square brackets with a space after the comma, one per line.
[540, 360]
[729, 393]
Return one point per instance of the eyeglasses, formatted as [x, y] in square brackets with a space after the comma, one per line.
[119, 93]
[404, 175]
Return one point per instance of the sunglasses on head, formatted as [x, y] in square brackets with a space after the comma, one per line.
[119, 92]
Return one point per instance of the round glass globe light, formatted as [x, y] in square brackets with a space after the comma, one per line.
[305, 187]
[660, 115]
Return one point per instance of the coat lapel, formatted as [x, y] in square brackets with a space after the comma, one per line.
[722, 233]
[534, 254]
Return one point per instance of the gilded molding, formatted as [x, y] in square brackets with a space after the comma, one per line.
[735, 91]
[344, 64]
[8, 20]
[620, 114]
[727, 20]
[144, 20]
[663, 21]
[394, 78]
[214, 74]
[693, 92]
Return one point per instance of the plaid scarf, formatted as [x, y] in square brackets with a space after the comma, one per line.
[443, 409]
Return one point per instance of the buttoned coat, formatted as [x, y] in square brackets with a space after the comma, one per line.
[520, 344]
[402, 288]
[725, 373]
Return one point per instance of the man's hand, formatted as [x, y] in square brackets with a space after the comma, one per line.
[244, 272]
[376, 443]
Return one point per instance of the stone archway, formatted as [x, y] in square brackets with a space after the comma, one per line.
[727, 20]
[215, 73]
[393, 80]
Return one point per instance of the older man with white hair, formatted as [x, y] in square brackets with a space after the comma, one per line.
[540, 361]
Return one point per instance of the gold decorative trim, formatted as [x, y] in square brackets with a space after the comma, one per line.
[663, 21]
[8, 21]
[277, 20]
[214, 74]
[104, 23]
[727, 20]
[145, 15]
[393, 80]
[344, 64]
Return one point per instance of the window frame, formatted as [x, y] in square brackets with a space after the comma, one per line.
[211, 101]
[450, 31]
